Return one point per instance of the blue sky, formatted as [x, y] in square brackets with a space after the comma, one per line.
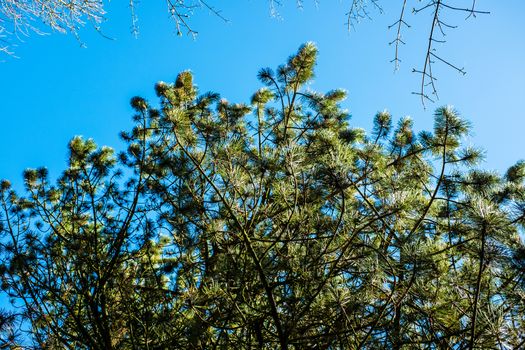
[55, 89]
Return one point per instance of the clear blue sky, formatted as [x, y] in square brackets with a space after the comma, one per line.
[56, 90]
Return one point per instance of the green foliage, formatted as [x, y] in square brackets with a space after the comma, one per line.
[270, 225]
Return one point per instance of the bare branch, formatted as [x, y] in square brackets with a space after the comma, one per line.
[359, 9]
[181, 10]
[17, 18]
[471, 11]
[427, 78]
[398, 40]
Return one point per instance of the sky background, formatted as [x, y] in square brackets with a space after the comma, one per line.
[55, 89]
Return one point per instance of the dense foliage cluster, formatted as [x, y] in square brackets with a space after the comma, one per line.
[269, 225]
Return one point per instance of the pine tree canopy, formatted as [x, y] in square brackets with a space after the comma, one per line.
[274, 224]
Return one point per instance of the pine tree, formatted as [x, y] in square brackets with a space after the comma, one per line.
[273, 224]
